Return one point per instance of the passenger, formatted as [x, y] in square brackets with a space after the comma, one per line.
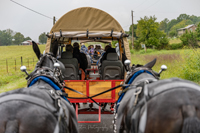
[91, 52]
[117, 49]
[69, 48]
[89, 47]
[85, 51]
[110, 45]
[99, 62]
[109, 50]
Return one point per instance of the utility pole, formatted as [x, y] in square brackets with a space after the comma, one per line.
[132, 30]
[54, 20]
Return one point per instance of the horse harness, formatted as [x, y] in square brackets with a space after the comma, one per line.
[140, 100]
[55, 75]
[53, 78]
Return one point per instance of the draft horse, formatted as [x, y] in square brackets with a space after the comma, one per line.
[42, 106]
[150, 105]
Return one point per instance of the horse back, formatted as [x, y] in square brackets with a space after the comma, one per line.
[24, 116]
[172, 102]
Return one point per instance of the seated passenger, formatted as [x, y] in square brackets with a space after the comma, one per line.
[91, 51]
[106, 48]
[81, 57]
[104, 57]
[85, 51]
[69, 48]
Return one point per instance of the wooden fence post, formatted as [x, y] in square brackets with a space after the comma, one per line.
[28, 62]
[15, 65]
[7, 65]
[33, 61]
[21, 61]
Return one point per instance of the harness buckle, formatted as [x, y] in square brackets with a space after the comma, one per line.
[59, 103]
[137, 92]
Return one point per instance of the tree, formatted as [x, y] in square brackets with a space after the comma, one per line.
[173, 33]
[5, 38]
[147, 29]
[19, 38]
[27, 38]
[198, 32]
[149, 33]
[194, 19]
[43, 38]
[171, 24]
[163, 25]
[189, 39]
[182, 24]
[134, 30]
[182, 17]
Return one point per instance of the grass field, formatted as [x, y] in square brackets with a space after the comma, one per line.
[181, 63]
[171, 58]
[10, 75]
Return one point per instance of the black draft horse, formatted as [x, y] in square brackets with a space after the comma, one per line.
[157, 106]
[38, 108]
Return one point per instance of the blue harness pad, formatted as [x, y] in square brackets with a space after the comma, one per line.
[129, 82]
[49, 81]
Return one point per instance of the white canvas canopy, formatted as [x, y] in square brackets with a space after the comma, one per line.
[86, 23]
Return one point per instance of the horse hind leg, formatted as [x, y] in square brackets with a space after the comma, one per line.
[190, 120]
[12, 126]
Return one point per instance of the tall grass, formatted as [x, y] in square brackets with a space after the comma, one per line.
[173, 59]
[191, 68]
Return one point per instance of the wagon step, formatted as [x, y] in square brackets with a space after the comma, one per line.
[99, 112]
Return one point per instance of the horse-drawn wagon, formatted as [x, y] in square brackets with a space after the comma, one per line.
[90, 25]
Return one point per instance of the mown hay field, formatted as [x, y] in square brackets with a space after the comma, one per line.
[181, 63]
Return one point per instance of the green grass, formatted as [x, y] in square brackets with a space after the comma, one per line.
[181, 63]
[10, 75]
[155, 52]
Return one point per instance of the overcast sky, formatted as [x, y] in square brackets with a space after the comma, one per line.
[31, 24]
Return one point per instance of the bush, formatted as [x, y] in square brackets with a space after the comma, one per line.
[137, 45]
[132, 51]
[164, 41]
[191, 67]
[189, 39]
[175, 46]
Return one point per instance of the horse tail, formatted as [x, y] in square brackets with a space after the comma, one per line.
[190, 120]
[12, 126]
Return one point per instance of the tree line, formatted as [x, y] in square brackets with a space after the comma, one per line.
[9, 37]
[156, 34]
